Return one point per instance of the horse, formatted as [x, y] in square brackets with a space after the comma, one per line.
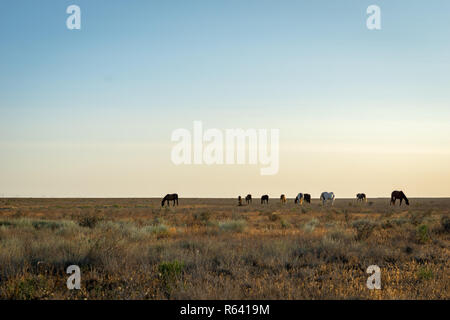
[299, 198]
[361, 197]
[240, 201]
[170, 197]
[265, 198]
[248, 199]
[398, 195]
[327, 196]
[307, 197]
[283, 198]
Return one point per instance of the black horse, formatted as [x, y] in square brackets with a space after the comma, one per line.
[170, 197]
[398, 195]
[265, 198]
[307, 197]
[361, 197]
[248, 199]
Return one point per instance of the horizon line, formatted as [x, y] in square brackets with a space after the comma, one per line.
[159, 197]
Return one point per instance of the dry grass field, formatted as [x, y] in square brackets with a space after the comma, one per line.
[213, 249]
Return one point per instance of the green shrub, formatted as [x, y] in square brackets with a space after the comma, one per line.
[425, 274]
[156, 229]
[423, 233]
[284, 224]
[170, 270]
[232, 225]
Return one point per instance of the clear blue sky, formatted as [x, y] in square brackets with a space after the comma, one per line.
[97, 106]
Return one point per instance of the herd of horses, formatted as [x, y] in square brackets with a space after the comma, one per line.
[325, 197]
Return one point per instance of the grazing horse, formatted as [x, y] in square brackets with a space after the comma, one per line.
[248, 199]
[361, 197]
[265, 198]
[299, 198]
[398, 195]
[170, 197]
[307, 197]
[239, 201]
[283, 198]
[327, 196]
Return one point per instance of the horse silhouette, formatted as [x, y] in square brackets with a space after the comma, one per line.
[307, 197]
[265, 198]
[361, 197]
[170, 197]
[398, 195]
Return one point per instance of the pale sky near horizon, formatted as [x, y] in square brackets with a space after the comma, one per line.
[90, 112]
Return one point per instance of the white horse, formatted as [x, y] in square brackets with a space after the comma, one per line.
[299, 198]
[327, 196]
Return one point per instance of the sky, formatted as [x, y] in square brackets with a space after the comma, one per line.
[90, 112]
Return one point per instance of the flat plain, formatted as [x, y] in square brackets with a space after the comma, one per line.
[215, 249]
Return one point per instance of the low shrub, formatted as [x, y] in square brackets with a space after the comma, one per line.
[89, 221]
[232, 225]
[364, 228]
[425, 274]
[311, 225]
[423, 234]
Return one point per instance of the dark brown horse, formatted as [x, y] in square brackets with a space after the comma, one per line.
[170, 197]
[265, 198]
[398, 195]
[283, 198]
[240, 201]
[307, 197]
[248, 199]
[361, 197]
